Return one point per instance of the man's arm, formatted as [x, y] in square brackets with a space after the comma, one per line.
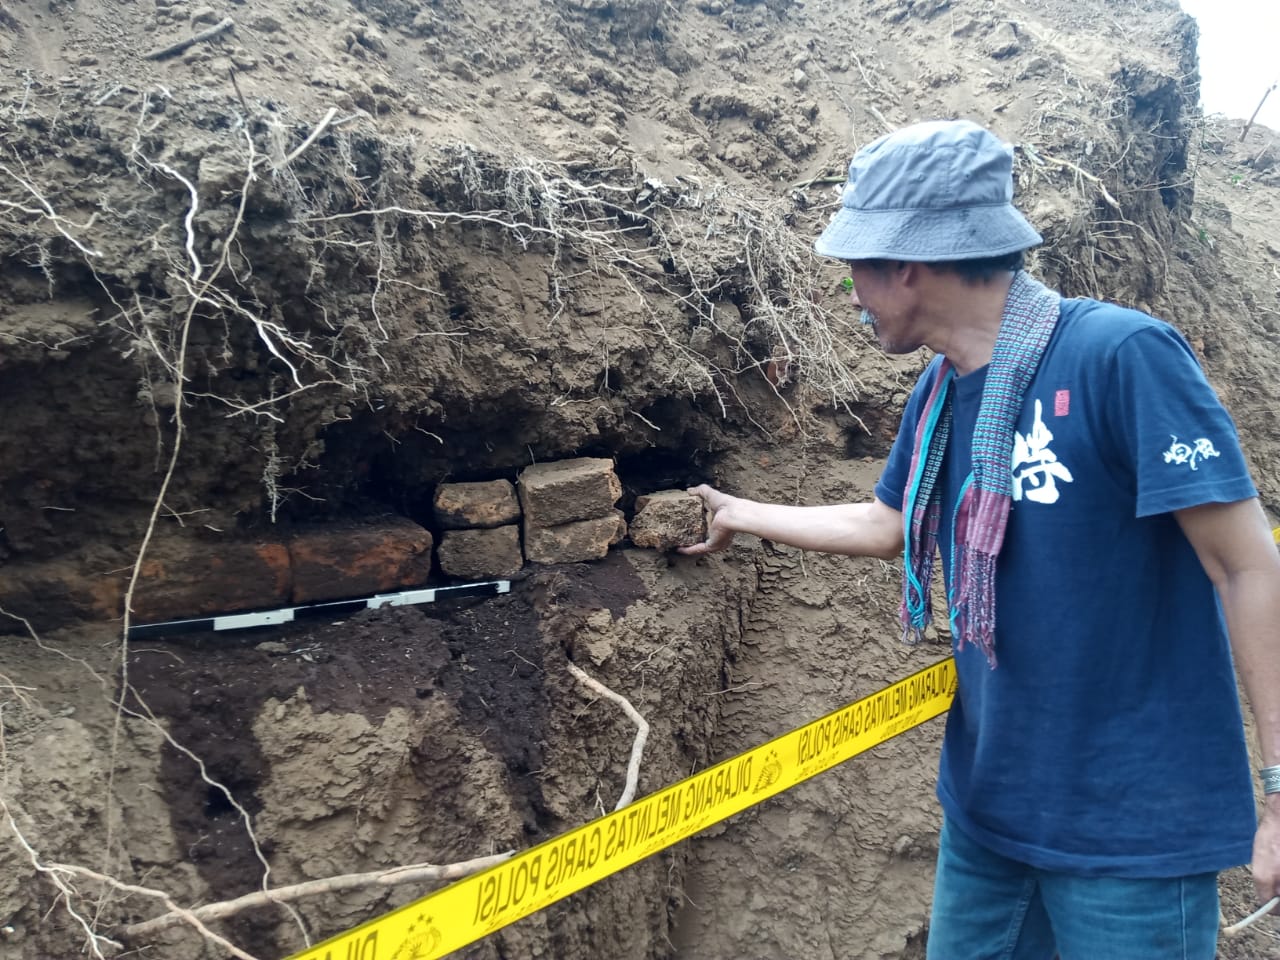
[1234, 543]
[855, 529]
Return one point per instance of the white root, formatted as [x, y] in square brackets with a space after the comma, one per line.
[642, 731]
[1238, 928]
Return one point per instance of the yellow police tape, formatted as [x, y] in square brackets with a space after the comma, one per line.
[476, 906]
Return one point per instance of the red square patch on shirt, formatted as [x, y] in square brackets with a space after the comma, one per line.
[1062, 403]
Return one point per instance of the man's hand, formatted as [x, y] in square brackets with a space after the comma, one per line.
[1266, 851]
[719, 534]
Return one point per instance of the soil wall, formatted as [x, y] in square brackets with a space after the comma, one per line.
[302, 272]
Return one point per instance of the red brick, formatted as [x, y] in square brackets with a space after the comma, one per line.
[566, 490]
[481, 554]
[59, 592]
[183, 578]
[576, 541]
[356, 559]
[466, 506]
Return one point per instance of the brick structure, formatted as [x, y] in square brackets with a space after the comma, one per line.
[566, 490]
[192, 577]
[468, 506]
[355, 559]
[59, 592]
[576, 541]
[481, 554]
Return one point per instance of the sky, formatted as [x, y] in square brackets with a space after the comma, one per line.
[1239, 56]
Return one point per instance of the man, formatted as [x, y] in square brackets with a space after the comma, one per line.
[1096, 522]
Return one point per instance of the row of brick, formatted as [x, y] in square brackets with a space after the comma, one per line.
[190, 576]
[544, 495]
[564, 508]
[555, 513]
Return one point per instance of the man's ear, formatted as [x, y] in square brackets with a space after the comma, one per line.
[909, 273]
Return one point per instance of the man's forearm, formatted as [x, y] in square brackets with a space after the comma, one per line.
[1251, 601]
[854, 529]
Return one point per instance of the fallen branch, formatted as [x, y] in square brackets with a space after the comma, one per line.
[175, 48]
[262, 898]
[819, 181]
[1258, 109]
[642, 731]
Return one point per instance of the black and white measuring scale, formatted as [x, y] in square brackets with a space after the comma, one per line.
[270, 618]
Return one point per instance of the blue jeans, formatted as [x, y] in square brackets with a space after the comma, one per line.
[988, 907]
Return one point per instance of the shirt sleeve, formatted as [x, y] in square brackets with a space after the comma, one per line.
[893, 481]
[1173, 434]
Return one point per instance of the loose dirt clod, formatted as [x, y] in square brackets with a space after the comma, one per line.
[668, 519]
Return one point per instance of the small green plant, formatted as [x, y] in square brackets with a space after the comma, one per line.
[1237, 178]
[846, 284]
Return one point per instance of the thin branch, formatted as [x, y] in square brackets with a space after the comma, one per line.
[1258, 109]
[175, 48]
[416, 873]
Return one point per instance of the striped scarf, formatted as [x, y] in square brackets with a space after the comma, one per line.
[1030, 315]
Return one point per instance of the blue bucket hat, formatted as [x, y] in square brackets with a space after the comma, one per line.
[933, 191]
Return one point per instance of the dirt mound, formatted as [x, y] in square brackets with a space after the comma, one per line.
[337, 252]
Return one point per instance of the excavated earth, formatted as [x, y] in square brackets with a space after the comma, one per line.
[301, 272]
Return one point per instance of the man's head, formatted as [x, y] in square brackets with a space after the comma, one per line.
[930, 193]
[926, 209]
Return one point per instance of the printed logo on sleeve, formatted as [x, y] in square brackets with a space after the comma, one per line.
[1190, 453]
[1062, 403]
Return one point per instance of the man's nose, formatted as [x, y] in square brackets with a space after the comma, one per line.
[853, 298]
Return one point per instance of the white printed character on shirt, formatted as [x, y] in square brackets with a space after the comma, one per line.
[1036, 468]
[1180, 452]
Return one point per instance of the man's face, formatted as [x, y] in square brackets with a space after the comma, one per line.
[886, 304]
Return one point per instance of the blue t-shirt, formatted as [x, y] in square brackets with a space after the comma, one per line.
[1108, 740]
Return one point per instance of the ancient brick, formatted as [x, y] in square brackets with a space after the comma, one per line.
[465, 506]
[57, 593]
[668, 519]
[183, 578]
[481, 554]
[576, 541]
[567, 490]
[355, 559]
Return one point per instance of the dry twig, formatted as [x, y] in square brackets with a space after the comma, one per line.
[173, 49]
[416, 873]
[1258, 109]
